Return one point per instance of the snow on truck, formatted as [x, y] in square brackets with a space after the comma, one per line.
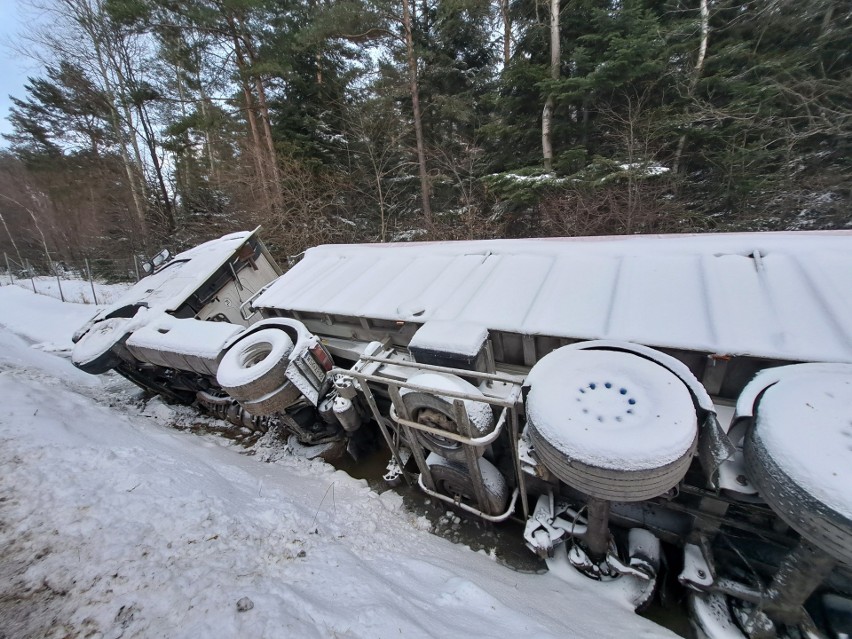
[679, 403]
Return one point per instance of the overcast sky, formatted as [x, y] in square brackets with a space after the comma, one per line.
[14, 68]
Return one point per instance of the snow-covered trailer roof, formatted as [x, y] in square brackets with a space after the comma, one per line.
[775, 295]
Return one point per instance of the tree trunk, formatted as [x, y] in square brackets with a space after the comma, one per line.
[91, 22]
[546, 127]
[150, 142]
[415, 105]
[123, 95]
[263, 110]
[208, 139]
[250, 60]
[507, 32]
[699, 67]
[242, 67]
[122, 61]
[262, 105]
[185, 181]
[137, 191]
[547, 114]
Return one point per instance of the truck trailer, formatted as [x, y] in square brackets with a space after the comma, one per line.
[639, 403]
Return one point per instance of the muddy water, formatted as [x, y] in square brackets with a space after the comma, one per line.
[503, 541]
[672, 616]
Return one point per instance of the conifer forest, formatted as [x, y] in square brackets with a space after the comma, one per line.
[158, 123]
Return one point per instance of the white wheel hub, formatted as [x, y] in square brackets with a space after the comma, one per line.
[611, 409]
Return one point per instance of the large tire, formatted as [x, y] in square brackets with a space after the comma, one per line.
[275, 402]
[255, 366]
[613, 425]
[797, 454]
[94, 352]
[437, 411]
[453, 479]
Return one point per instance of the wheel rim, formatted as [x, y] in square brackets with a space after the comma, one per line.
[456, 490]
[255, 354]
[435, 419]
[453, 479]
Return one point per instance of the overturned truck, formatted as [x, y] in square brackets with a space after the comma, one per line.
[636, 401]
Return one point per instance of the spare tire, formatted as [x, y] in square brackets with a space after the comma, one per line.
[611, 424]
[256, 365]
[798, 454]
[432, 409]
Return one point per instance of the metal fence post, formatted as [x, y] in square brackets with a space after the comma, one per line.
[58, 282]
[8, 268]
[136, 267]
[91, 281]
[32, 277]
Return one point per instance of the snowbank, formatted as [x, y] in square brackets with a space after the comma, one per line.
[40, 318]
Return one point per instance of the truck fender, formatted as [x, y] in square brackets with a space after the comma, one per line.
[294, 328]
[750, 395]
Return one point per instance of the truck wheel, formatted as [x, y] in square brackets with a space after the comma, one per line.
[798, 453]
[611, 424]
[437, 411]
[276, 402]
[255, 366]
[453, 479]
[93, 353]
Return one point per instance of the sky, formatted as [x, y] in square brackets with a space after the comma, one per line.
[14, 67]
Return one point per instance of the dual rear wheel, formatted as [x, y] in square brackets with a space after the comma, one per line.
[448, 459]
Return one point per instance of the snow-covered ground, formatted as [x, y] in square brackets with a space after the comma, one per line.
[76, 291]
[115, 524]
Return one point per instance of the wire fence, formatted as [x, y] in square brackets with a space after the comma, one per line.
[95, 281]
